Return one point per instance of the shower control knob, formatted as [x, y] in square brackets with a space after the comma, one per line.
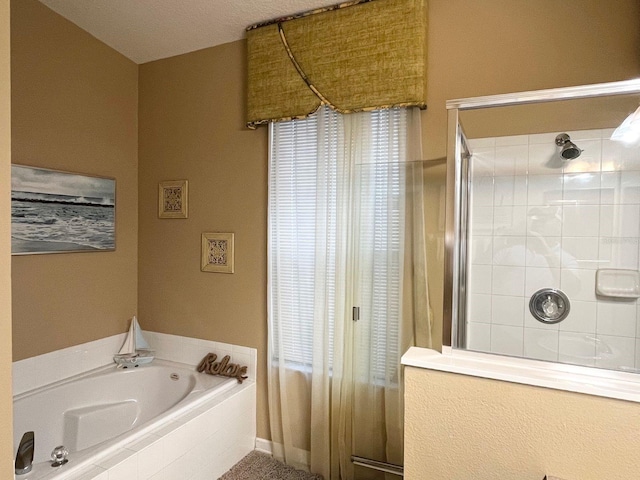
[59, 456]
[549, 305]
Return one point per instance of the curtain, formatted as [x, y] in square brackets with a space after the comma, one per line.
[354, 56]
[338, 239]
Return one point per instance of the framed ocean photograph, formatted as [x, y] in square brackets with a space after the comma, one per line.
[61, 212]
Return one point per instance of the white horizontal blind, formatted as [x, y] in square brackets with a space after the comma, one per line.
[302, 205]
[382, 189]
[292, 212]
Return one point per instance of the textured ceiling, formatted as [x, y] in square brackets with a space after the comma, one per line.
[146, 30]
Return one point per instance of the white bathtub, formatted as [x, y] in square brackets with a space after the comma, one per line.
[95, 414]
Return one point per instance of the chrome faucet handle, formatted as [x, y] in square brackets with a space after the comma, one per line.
[59, 456]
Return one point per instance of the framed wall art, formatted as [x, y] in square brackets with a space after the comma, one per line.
[173, 199]
[61, 212]
[217, 252]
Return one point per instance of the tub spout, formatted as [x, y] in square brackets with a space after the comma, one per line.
[24, 457]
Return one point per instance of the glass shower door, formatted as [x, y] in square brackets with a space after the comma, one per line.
[390, 314]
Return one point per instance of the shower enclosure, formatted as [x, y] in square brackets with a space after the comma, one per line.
[543, 226]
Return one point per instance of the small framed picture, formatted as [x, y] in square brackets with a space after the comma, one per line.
[217, 252]
[173, 199]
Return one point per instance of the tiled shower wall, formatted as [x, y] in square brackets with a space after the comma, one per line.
[538, 221]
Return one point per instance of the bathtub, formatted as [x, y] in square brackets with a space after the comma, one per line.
[101, 412]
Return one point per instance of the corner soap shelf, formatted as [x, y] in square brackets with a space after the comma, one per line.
[619, 283]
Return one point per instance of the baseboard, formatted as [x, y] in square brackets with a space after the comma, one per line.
[297, 457]
[264, 446]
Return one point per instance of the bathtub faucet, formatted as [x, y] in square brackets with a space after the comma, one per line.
[24, 457]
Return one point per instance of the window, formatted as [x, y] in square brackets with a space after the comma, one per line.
[336, 202]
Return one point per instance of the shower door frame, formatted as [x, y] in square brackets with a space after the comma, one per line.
[454, 313]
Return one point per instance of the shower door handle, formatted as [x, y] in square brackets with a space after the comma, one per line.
[355, 314]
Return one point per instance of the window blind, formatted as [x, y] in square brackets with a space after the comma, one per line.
[303, 185]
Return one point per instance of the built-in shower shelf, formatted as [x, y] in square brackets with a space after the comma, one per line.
[619, 283]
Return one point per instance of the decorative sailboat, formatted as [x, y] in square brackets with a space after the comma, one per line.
[135, 349]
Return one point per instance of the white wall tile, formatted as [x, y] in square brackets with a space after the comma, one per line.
[538, 278]
[544, 190]
[482, 161]
[609, 188]
[616, 156]
[577, 348]
[580, 252]
[544, 159]
[481, 220]
[619, 220]
[541, 344]
[510, 190]
[531, 322]
[577, 220]
[506, 310]
[615, 352]
[581, 188]
[511, 159]
[510, 221]
[544, 252]
[507, 340]
[481, 250]
[616, 252]
[479, 308]
[544, 221]
[616, 318]
[578, 284]
[509, 251]
[482, 191]
[581, 318]
[480, 277]
[629, 187]
[507, 281]
[479, 336]
[580, 220]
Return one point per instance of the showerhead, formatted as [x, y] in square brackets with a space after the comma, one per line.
[569, 150]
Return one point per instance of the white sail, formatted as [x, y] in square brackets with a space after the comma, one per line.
[129, 345]
[134, 341]
[141, 343]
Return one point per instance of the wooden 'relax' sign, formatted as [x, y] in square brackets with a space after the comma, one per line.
[209, 365]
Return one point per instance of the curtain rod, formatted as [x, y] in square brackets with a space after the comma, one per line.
[307, 13]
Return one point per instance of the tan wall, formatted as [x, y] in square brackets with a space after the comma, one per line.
[496, 46]
[6, 406]
[489, 47]
[74, 108]
[460, 428]
[192, 127]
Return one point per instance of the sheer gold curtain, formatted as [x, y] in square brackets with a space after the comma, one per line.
[378, 416]
[347, 397]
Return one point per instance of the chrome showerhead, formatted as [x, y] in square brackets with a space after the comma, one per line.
[569, 150]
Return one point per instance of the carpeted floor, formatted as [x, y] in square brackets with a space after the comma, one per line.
[260, 466]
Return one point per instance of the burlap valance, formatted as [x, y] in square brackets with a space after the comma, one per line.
[353, 57]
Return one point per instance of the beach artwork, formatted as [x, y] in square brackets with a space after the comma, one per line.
[59, 212]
